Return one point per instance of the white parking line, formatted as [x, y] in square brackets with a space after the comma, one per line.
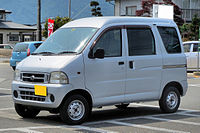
[5, 96]
[25, 130]
[5, 89]
[155, 106]
[192, 115]
[194, 85]
[146, 127]
[70, 128]
[94, 129]
[170, 120]
[2, 109]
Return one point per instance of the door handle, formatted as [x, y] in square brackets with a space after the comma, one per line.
[131, 64]
[121, 63]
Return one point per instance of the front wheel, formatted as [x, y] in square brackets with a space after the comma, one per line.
[170, 100]
[75, 110]
[25, 111]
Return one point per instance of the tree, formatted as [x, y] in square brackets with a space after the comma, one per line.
[147, 7]
[191, 31]
[195, 27]
[96, 11]
[58, 22]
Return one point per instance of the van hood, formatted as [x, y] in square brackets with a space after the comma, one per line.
[45, 63]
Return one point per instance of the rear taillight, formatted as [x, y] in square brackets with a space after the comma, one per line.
[28, 52]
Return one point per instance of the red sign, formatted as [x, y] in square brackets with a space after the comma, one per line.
[50, 26]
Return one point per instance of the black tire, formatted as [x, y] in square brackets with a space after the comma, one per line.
[75, 104]
[170, 100]
[25, 111]
[122, 106]
[13, 67]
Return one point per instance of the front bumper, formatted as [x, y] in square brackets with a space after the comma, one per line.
[26, 94]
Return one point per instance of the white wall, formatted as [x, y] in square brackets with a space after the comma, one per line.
[120, 8]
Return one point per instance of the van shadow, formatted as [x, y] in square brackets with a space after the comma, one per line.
[99, 115]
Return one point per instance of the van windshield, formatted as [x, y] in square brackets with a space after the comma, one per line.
[66, 40]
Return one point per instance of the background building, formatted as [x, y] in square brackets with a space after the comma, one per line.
[129, 7]
[12, 33]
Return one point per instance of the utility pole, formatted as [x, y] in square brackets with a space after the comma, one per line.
[69, 9]
[39, 37]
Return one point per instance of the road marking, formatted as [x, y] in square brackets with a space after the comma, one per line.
[94, 129]
[155, 106]
[145, 127]
[25, 130]
[5, 89]
[170, 120]
[192, 115]
[194, 85]
[6, 96]
[71, 128]
[2, 109]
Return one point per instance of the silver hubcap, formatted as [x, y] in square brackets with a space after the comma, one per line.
[76, 110]
[172, 100]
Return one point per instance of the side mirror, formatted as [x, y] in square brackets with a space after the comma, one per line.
[99, 53]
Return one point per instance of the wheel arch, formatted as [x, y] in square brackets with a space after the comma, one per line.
[81, 92]
[176, 84]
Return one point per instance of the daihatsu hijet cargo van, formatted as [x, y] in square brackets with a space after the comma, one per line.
[94, 62]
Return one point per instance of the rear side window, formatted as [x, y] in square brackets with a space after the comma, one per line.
[195, 47]
[37, 44]
[20, 47]
[1, 46]
[187, 47]
[170, 39]
[140, 41]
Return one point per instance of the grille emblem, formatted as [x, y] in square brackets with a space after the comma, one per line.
[32, 78]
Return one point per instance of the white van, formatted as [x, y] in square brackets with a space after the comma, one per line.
[99, 61]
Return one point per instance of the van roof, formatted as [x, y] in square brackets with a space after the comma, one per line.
[98, 22]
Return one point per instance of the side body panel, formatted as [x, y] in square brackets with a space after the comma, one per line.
[143, 80]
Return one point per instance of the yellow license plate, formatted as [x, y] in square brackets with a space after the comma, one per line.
[40, 90]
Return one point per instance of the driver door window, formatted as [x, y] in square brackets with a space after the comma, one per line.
[110, 42]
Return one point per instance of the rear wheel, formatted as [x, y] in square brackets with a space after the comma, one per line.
[75, 110]
[170, 100]
[122, 106]
[26, 112]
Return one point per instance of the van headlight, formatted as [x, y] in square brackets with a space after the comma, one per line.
[17, 75]
[58, 78]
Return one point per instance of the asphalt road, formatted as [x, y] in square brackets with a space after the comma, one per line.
[137, 118]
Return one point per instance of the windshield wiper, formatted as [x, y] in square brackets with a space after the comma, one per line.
[66, 52]
[43, 53]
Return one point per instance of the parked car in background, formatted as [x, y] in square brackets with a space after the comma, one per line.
[22, 50]
[5, 50]
[5, 46]
[191, 52]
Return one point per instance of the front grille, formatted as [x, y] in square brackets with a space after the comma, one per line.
[34, 77]
[28, 94]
